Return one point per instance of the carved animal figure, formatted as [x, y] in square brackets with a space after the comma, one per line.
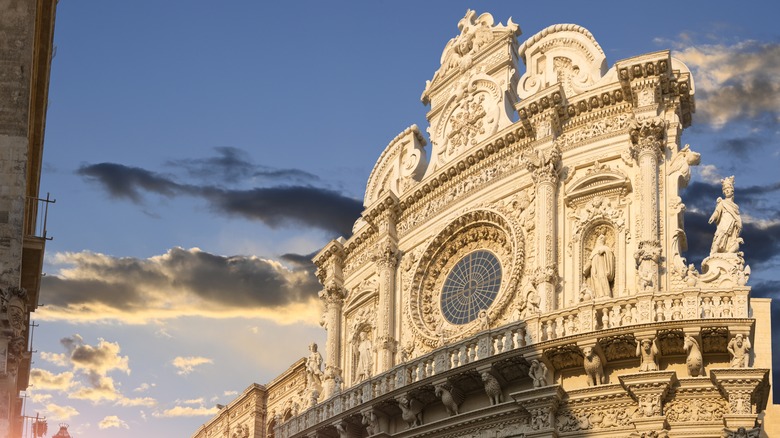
[411, 411]
[694, 360]
[371, 422]
[451, 397]
[593, 367]
[492, 388]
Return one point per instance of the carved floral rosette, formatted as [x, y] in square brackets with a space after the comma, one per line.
[475, 230]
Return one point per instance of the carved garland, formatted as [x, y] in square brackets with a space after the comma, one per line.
[481, 229]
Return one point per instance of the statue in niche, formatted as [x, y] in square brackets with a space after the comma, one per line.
[739, 349]
[729, 223]
[313, 367]
[600, 268]
[365, 359]
[648, 351]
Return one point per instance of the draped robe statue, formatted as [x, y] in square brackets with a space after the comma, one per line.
[600, 268]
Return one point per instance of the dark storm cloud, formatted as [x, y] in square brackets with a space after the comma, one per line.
[126, 182]
[232, 165]
[180, 282]
[741, 147]
[275, 206]
[300, 260]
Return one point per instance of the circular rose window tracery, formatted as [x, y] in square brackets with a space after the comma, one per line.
[438, 312]
[472, 285]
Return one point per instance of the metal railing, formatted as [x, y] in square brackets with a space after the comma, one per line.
[36, 213]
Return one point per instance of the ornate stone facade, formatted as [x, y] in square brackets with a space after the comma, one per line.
[528, 279]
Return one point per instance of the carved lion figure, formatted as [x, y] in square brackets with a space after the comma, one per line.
[593, 367]
[492, 388]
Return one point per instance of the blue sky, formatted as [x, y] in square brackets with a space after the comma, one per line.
[196, 149]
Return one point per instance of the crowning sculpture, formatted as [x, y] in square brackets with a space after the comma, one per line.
[529, 279]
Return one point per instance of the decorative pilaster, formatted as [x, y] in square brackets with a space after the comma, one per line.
[649, 389]
[647, 146]
[542, 405]
[545, 169]
[330, 262]
[385, 257]
[739, 387]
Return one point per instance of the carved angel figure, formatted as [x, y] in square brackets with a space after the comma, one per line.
[538, 373]
[599, 270]
[729, 222]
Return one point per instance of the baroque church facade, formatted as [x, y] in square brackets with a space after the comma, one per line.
[524, 276]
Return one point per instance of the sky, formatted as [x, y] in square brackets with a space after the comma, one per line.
[201, 152]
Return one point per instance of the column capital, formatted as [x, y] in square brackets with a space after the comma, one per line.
[545, 166]
[647, 137]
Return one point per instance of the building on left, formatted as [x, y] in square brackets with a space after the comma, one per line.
[26, 49]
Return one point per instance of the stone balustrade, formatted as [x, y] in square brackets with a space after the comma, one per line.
[580, 324]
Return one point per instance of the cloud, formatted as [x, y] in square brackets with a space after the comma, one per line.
[186, 365]
[193, 401]
[88, 377]
[186, 411]
[232, 165]
[60, 413]
[229, 393]
[43, 380]
[97, 287]
[140, 401]
[735, 82]
[144, 387]
[112, 421]
[740, 147]
[281, 205]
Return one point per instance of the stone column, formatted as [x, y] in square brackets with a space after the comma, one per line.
[647, 146]
[545, 168]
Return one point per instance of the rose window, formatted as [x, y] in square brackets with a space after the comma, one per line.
[472, 285]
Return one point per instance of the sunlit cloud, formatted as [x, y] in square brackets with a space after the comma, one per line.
[144, 387]
[60, 413]
[43, 380]
[735, 82]
[194, 401]
[187, 411]
[140, 401]
[186, 365]
[230, 393]
[91, 287]
[112, 421]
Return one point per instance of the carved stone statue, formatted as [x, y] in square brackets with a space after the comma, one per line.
[729, 222]
[593, 367]
[313, 367]
[538, 373]
[365, 362]
[648, 351]
[739, 349]
[492, 388]
[694, 360]
[600, 268]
